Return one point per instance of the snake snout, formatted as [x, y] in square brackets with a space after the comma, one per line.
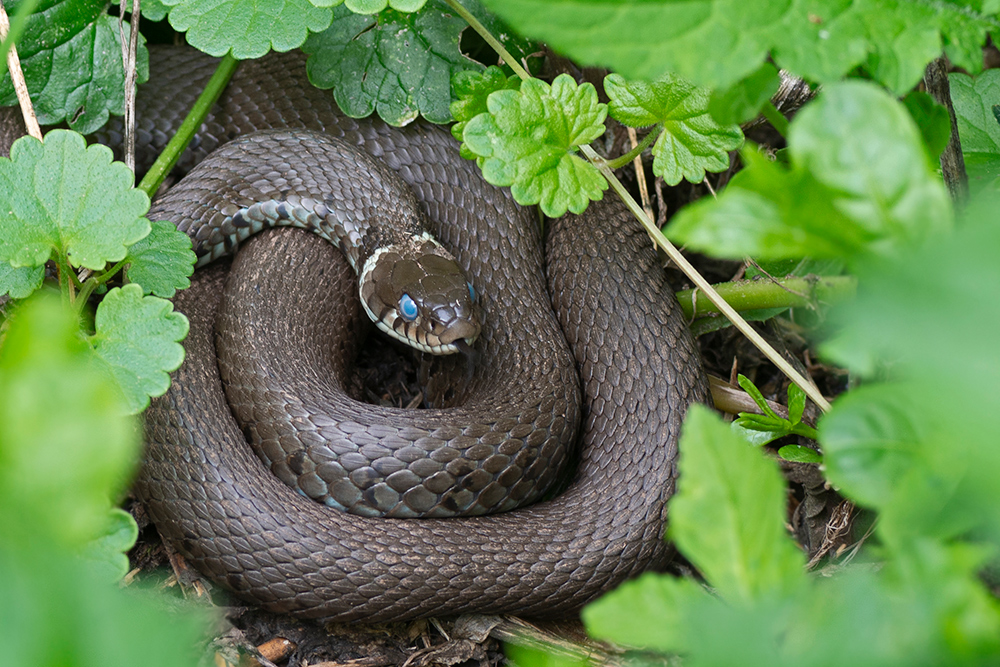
[467, 330]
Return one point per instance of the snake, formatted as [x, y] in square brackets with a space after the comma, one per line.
[601, 323]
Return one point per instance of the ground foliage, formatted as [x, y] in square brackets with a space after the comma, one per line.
[856, 191]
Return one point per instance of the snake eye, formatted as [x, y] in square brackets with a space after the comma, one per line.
[472, 292]
[407, 308]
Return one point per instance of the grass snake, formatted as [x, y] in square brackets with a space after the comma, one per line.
[241, 526]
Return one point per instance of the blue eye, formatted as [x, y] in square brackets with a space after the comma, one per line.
[407, 308]
[472, 291]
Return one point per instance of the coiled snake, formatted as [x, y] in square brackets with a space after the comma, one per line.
[220, 507]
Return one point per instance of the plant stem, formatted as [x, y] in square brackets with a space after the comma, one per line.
[88, 288]
[623, 160]
[94, 282]
[65, 272]
[805, 431]
[175, 148]
[744, 295]
[489, 38]
[775, 118]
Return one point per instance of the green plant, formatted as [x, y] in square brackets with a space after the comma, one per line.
[72, 205]
[760, 429]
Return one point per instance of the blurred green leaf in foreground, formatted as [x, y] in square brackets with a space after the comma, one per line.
[916, 443]
[66, 455]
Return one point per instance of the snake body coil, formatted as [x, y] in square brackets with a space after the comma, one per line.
[238, 524]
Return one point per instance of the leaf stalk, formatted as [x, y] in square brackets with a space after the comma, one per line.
[199, 111]
[94, 282]
[646, 142]
[775, 118]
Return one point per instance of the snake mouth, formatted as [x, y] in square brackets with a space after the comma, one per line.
[428, 342]
[463, 330]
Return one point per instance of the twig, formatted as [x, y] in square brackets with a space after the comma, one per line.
[952, 161]
[640, 175]
[129, 49]
[17, 76]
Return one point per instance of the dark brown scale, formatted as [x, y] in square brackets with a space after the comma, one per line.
[215, 502]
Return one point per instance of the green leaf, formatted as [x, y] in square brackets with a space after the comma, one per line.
[691, 142]
[750, 388]
[769, 212]
[407, 5]
[757, 422]
[759, 430]
[529, 139]
[66, 452]
[758, 437]
[935, 329]
[63, 197]
[59, 613]
[162, 262]
[248, 28]
[978, 128]
[531, 656]
[860, 183]
[744, 99]
[871, 439]
[366, 6]
[137, 339]
[796, 403]
[728, 517]
[799, 454]
[375, 6]
[472, 89]
[398, 65]
[108, 554]
[841, 140]
[71, 56]
[21, 281]
[65, 448]
[932, 120]
[648, 612]
[904, 312]
[941, 583]
[820, 41]
[924, 607]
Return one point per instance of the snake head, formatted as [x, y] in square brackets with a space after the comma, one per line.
[417, 293]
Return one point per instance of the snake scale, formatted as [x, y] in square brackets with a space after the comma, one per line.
[215, 502]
